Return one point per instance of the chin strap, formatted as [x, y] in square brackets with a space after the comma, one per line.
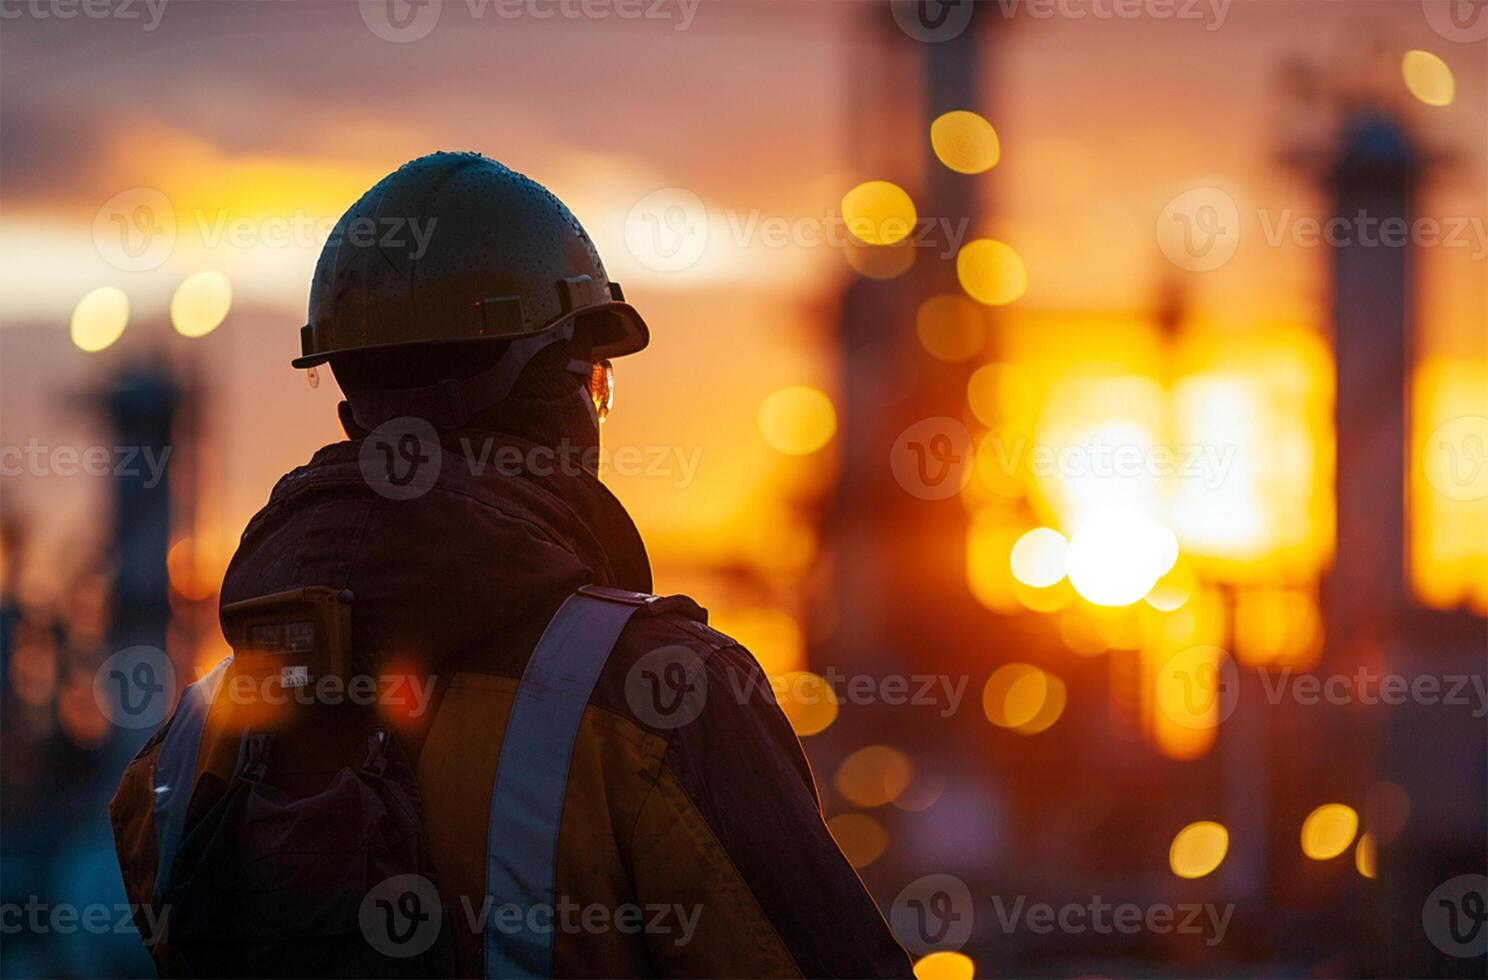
[450, 403]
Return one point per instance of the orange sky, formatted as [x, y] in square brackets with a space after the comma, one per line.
[275, 112]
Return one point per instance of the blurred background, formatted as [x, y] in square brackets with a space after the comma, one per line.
[1088, 404]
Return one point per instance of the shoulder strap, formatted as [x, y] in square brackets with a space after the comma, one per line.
[532, 773]
[175, 770]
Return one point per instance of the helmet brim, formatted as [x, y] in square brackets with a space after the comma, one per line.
[617, 329]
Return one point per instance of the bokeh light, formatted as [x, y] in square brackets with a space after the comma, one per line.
[945, 965]
[879, 212]
[195, 566]
[1050, 710]
[1328, 831]
[965, 142]
[99, 318]
[200, 303]
[808, 701]
[1174, 588]
[873, 776]
[950, 327]
[1365, 855]
[1015, 695]
[1198, 849]
[1038, 557]
[798, 420]
[991, 272]
[1428, 78]
[1116, 556]
[997, 394]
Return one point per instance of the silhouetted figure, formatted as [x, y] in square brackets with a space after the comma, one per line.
[458, 735]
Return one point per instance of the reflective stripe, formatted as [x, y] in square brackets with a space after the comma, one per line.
[532, 775]
[175, 770]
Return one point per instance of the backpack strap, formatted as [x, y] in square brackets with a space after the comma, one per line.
[175, 770]
[532, 772]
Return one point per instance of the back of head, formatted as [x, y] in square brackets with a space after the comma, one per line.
[548, 403]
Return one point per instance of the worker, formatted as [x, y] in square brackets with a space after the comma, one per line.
[458, 735]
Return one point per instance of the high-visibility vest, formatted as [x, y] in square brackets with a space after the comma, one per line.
[528, 789]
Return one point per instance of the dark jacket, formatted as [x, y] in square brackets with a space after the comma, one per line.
[716, 821]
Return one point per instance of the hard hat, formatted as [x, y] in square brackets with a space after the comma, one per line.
[457, 247]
